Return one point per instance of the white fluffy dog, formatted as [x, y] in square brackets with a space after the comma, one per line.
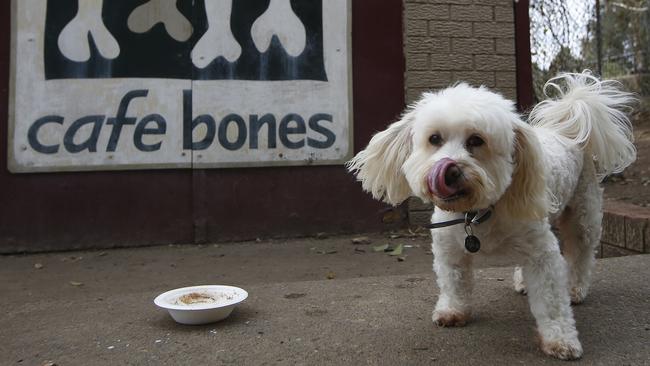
[466, 150]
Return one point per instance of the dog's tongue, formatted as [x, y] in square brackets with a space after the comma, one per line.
[436, 179]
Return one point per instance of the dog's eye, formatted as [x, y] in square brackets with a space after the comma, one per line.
[435, 139]
[475, 141]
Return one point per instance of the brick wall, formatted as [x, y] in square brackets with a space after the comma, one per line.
[626, 230]
[451, 40]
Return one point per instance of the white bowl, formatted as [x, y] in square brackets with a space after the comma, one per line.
[201, 304]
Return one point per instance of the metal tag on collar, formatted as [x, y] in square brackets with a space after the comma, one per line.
[472, 243]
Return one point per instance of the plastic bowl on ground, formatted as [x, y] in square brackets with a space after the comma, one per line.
[201, 304]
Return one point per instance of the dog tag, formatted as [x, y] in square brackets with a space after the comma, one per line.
[472, 244]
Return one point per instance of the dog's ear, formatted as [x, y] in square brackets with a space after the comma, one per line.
[527, 197]
[379, 165]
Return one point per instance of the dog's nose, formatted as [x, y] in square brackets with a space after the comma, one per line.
[452, 174]
[444, 178]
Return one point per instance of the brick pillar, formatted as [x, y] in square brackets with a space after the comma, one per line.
[458, 40]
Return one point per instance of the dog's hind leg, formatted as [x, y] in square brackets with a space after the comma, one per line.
[580, 230]
[546, 278]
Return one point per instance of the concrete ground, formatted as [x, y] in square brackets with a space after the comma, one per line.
[311, 302]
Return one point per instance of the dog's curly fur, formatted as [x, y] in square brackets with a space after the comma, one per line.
[533, 175]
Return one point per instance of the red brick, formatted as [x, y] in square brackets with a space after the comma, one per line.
[417, 28]
[504, 13]
[426, 11]
[614, 251]
[494, 63]
[493, 2]
[506, 79]
[428, 79]
[471, 13]
[472, 46]
[427, 45]
[476, 78]
[626, 225]
[505, 46]
[613, 229]
[451, 62]
[635, 228]
[417, 61]
[508, 93]
[646, 236]
[494, 30]
[450, 29]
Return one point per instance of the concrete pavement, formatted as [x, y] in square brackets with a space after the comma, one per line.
[95, 308]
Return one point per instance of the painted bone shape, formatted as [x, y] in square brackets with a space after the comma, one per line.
[147, 15]
[280, 20]
[218, 39]
[73, 40]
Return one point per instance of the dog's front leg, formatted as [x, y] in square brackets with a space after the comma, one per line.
[546, 278]
[454, 278]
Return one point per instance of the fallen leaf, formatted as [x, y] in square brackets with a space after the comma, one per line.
[361, 240]
[413, 233]
[38, 266]
[76, 284]
[397, 251]
[401, 259]
[380, 248]
[331, 275]
[414, 279]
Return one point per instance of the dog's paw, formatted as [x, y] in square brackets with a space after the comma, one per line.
[569, 349]
[578, 295]
[450, 318]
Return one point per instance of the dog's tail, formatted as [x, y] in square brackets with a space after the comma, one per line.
[591, 113]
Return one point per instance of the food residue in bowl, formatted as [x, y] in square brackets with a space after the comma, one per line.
[194, 298]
